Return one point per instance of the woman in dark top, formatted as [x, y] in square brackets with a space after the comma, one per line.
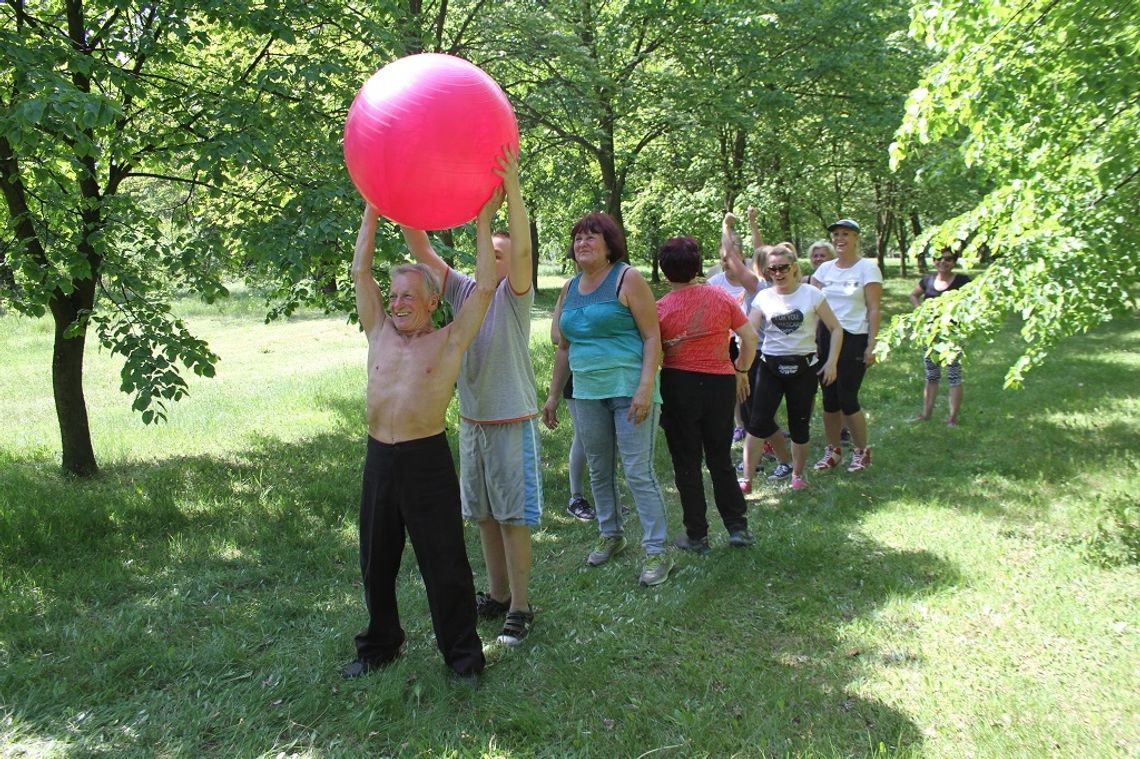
[932, 285]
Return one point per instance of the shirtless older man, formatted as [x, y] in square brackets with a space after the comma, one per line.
[409, 479]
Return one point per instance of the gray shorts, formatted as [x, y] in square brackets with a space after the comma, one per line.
[499, 472]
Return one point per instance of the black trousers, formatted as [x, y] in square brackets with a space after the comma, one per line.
[843, 394]
[412, 486]
[696, 414]
[790, 378]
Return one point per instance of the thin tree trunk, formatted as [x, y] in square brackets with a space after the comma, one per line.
[904, 245]
[67, 379]
[534, 253]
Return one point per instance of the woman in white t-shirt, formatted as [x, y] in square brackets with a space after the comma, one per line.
[854, 288]
[787, 313]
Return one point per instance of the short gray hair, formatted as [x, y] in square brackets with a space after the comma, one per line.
[431, 284]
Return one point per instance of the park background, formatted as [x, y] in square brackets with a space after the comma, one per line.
[172, 177]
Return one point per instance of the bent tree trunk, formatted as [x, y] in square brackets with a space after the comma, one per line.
[67, 378]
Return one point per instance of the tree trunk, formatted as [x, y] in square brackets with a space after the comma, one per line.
[67, 378]
[534, 253]
[904, 245]
[916, 230]
[7, 278]
[610, 182]
[732, 152]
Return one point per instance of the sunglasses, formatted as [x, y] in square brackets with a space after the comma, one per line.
[946, 259]
[779, 268]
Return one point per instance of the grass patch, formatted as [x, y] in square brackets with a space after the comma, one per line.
[972, 594]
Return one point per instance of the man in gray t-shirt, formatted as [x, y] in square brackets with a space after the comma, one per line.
[499, 461]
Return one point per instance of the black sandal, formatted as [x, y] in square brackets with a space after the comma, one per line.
[516, 627]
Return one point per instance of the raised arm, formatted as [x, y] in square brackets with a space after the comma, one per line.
[730, 257]
[757, 238]
[639, 300]
[471, 313]
[369, 301]
[519, 268]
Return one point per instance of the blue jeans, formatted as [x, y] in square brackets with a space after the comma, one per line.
[605, 432]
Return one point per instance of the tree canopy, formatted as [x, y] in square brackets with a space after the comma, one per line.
[152, 150]
[1041, 97]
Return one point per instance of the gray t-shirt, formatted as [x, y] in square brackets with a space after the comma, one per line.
[496, 377]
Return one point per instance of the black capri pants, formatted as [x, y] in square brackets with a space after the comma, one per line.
[843, 394]
[790, 378]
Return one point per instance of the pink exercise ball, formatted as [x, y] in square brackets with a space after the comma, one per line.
[422, 138]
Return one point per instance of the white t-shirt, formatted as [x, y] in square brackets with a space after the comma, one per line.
[737, 292]
[788, 321]
[844, 289]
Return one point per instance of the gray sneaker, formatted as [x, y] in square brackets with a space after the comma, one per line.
[657, 569]
[781, 472]
[699, 547]
[606, 549]
[741, 539]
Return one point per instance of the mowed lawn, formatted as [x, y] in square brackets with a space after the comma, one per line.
[973, 594]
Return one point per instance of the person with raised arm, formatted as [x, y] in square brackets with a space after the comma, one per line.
[499, 453]
[790, 370]
[409, 483]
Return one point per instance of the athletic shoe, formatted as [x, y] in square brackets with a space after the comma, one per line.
[798, 483]
[860, 459]
[745, 485]
[606, 549]
[740, 468]
[657, 569]
[516, 627]
[951, 422]
[832, 455]
[845, 435]
[738, 434]
[781, 472]
[362, 666]
[740, 539]
[580, 509]
[699, 546]
[488, 608]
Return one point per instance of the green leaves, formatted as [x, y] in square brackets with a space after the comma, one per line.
[1044, 95]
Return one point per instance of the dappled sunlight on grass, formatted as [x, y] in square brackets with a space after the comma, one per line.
[199, 597]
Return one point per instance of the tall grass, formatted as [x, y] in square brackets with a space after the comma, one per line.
[972, 594]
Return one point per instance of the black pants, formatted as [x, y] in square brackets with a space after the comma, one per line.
[412, 485]
[791, 378]
[843, 394]
[696, 414]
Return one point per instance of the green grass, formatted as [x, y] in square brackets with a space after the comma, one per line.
[973, 594]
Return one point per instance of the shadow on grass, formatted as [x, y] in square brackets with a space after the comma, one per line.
[1070, 419]
[203, 605]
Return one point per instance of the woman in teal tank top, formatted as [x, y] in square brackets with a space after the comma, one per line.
[611, 340]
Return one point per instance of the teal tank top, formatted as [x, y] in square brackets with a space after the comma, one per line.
[606, 348]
